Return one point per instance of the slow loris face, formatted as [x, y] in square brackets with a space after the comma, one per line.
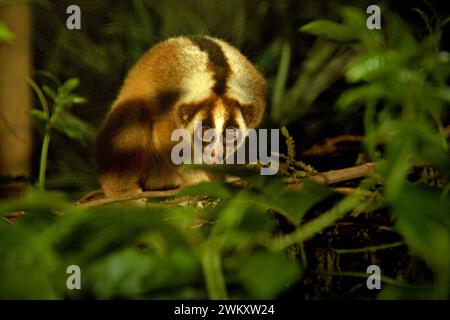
[217, 126]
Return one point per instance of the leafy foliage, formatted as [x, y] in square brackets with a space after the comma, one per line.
[403, 85]
[59, 118]
[264, 240]
[5, 33]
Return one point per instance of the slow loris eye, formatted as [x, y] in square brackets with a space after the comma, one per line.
[231, 133]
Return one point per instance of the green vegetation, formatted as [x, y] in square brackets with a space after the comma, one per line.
[5, 34]
[262, 239]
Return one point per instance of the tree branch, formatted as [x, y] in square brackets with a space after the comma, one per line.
[330, 177]
[335, 176]
[126, 197]
[330, 145]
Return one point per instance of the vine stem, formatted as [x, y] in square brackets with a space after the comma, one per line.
[371, 248]
[46, 141]
[212, 270]
[43, 160]
[317, 225]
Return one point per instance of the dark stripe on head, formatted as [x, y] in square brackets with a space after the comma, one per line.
[217, 62]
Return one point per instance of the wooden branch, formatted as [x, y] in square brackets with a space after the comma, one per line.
[330, 145]
[126, 197]
[14, 217]
[335, 176]
[330, 177]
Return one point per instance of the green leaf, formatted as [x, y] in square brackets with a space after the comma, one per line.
[359, 95]
[78, 100]
[5, 33]
[97, 232]
[49, 92]
[279, 87]
[35, 198]
[230, 215]
[131, 273]
[210, 189]
[422, 218]
[273, 194]
[330, 30]
[28, 266]
[39, 115]
[354, 18]
[241, 225]
[267, 274]
[364, 67]
[73, 127]
[70, 85]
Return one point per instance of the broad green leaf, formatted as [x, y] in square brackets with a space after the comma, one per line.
[99, 231]
[34, 198]
[132, 273]
[5, 33]
[244, 226]
[330, 30]
[359, 95]
[271, 193]
[73, 127]
[266, 274]
[279, 87]
[28, 266]
[70, 85]
[210, 189]
[422, 218]
[354, 17]
[49, 92]
[364, 67]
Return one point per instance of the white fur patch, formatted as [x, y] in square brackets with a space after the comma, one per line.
[198, 80]
[239, 82]
[219, 116]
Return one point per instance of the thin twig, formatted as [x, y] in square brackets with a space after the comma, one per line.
[371, 248]
[330, 145]
[347, 190]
